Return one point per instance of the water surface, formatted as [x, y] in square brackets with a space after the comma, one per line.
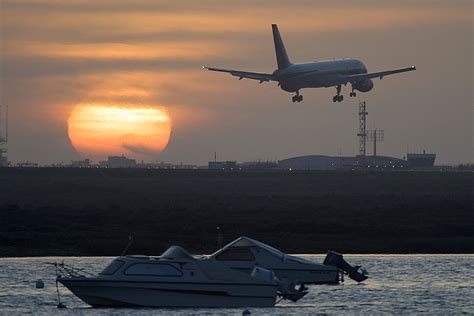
[398, 284]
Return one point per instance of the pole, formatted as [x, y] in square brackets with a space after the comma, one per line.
[1, 124]
[375, 142]
[6, 126]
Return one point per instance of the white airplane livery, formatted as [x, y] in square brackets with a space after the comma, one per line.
[317, 74]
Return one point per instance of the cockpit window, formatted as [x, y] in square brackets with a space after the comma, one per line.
[153, 269]
[236, 254]
[113, 267]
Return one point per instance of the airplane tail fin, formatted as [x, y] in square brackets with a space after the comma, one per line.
[282, 57]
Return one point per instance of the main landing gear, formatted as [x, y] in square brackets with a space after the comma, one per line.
[352, 94]
[338, 97]
[298, 97]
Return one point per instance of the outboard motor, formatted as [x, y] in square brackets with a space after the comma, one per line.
[286, 289]
[335, 259]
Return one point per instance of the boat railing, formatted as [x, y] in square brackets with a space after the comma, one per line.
[65, 270]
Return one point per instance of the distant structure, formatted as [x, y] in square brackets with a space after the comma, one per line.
[86, 163]
[361, 161]
[258, 165]
[320, 162]
[414, 161]
[27, 164]
[163, 165]
[362, 128]
[222, 165]
[375, 136]
[118, 162]
[124, 162]
[3, 138]
[423, 160]
[364, 135]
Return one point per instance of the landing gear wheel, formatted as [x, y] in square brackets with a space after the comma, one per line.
[353, 94]
[337, 98]
[297, 98]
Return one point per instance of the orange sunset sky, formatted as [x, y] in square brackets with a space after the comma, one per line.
[89, 78]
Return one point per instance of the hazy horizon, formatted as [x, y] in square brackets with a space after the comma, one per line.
[56, 55]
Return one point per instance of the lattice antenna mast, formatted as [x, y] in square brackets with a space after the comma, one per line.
[362, 128]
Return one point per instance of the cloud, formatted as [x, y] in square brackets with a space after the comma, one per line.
[141, 150]
[118, 51]
[122, 20]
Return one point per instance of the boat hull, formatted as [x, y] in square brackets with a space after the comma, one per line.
[102, 293]
[306, 276]
[309, 276]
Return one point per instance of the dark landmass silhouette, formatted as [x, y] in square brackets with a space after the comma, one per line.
[93, 211]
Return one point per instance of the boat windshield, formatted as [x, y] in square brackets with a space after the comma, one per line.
[243, 242]
[113, 267]
[236, 254]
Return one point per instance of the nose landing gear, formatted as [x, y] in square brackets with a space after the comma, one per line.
[298, 97]
[338, 97]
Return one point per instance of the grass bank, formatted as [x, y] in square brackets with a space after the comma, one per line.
[93, 211]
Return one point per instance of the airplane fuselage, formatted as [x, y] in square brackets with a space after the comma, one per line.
[316, 74]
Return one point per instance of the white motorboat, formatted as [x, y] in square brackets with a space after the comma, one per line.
[176, 279]
[244, 254]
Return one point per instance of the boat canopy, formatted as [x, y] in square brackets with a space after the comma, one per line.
[177, 253]
[252, 243]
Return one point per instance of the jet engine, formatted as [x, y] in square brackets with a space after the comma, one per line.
[364, 85]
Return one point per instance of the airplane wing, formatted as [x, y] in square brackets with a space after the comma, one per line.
[244, 74]
[340, 80]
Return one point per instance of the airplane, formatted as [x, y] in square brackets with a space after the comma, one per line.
[316, 74]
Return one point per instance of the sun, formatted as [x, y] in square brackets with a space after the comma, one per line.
[137, 131]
